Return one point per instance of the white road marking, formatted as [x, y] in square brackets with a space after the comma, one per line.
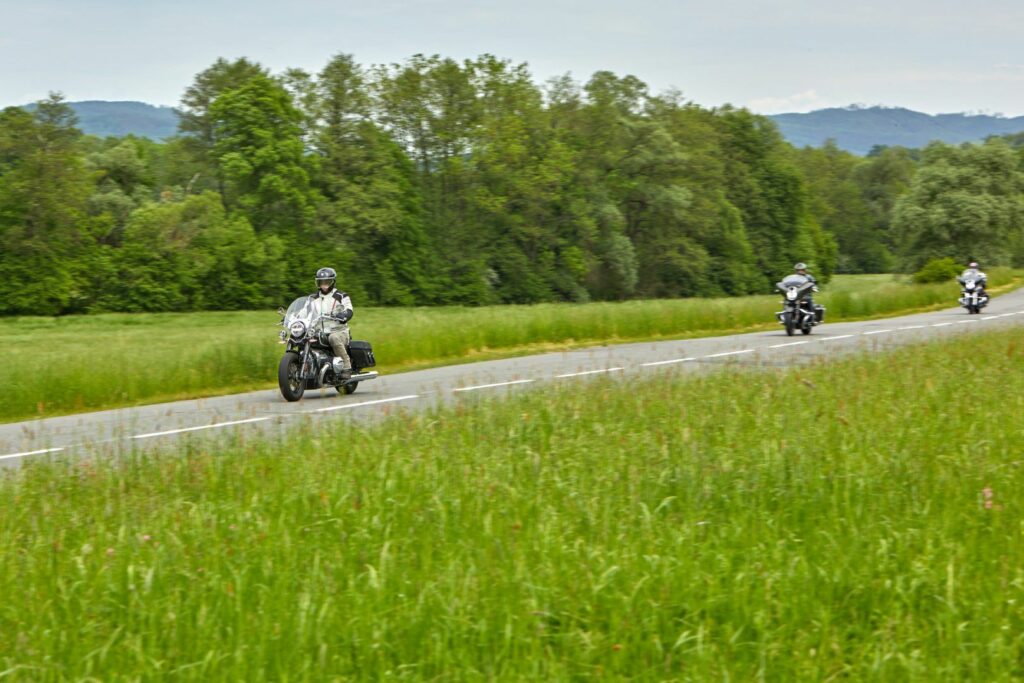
[729, 353]
[667, 362]
[201, 427]
[964, 322]
[41, 451]
[990, 317]
[366, 403]
[877, 332]
[587, 372]
[942, 324]
[913, 327]
[842, 336]
[496, 384]
[780, 346]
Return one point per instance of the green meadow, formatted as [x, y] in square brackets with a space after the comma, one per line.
[52, 366]
[858, 520]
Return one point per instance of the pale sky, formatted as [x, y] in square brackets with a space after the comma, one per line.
[769, 55]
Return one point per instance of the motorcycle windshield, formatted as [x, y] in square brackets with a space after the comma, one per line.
[305, 309]
[801, 283]
[300, 309]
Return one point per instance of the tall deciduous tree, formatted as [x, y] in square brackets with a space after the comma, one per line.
[965, 202]
[48, 244]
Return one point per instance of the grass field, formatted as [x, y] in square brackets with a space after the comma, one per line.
[859, 521]
[52, 366]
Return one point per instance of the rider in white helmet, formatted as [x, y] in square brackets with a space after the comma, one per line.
[974, 272]
[330, 302]
[801, 269]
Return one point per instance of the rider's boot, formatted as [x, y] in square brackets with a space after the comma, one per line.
[340, 370]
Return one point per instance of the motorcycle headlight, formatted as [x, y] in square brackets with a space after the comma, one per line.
[791, 294]
[970, 285]
[298, 329]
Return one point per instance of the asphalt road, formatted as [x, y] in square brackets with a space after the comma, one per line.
[130, 429]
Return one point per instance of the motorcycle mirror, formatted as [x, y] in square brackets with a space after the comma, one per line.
[280, 310]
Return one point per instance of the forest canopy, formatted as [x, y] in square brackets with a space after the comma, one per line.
[436, 181]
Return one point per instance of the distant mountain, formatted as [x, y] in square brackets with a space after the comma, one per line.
[96, 117]
[858, 129]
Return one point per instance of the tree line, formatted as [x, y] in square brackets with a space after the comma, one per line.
[435, 181]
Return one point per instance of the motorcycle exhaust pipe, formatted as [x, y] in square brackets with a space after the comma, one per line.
[363, 376]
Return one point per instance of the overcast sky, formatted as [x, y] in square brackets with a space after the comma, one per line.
[772, 55]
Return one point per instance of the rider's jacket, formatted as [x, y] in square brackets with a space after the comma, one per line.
[333, 303]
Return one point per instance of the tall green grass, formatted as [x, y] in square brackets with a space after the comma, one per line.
[857, 521]
[59, 365]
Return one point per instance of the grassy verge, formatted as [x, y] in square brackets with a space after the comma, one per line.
[858, 520]
[53, 366]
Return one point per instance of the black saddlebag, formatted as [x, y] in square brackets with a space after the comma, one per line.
[361, 354]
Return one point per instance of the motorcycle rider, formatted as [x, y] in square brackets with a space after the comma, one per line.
[801, 269]
[974, 272]
[328, 301]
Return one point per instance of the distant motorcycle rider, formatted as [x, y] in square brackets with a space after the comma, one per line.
[801, 269]
[328, 301]
[974, 272]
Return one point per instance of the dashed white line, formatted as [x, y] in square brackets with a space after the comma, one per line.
[990, 317]
[913, 327]
[366, 403]
[587, 372]
[876, 332]
[942, 324]
[201, 427]
[667, 362]
[964, 322]
[780, 346]
[729, 353]
[41, 451]
[496, 384]
[841, 336]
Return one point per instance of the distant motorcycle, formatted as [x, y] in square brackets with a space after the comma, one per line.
[798, 313]
[308, 359]
[972, 295]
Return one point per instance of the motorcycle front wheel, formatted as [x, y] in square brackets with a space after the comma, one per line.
[787, 320]
[288, 377]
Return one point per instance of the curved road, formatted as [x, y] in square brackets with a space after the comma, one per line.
[128, 429]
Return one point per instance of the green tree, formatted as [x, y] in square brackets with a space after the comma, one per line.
[196, 122]
[48, 243]
[371, 205]
[259, 150]
[964, 202]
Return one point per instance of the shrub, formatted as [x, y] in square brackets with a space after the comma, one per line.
[937, 270]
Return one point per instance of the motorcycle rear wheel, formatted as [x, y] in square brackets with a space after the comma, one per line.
[292, 387]
[349, 388]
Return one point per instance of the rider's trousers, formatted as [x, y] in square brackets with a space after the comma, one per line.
[339, 340]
